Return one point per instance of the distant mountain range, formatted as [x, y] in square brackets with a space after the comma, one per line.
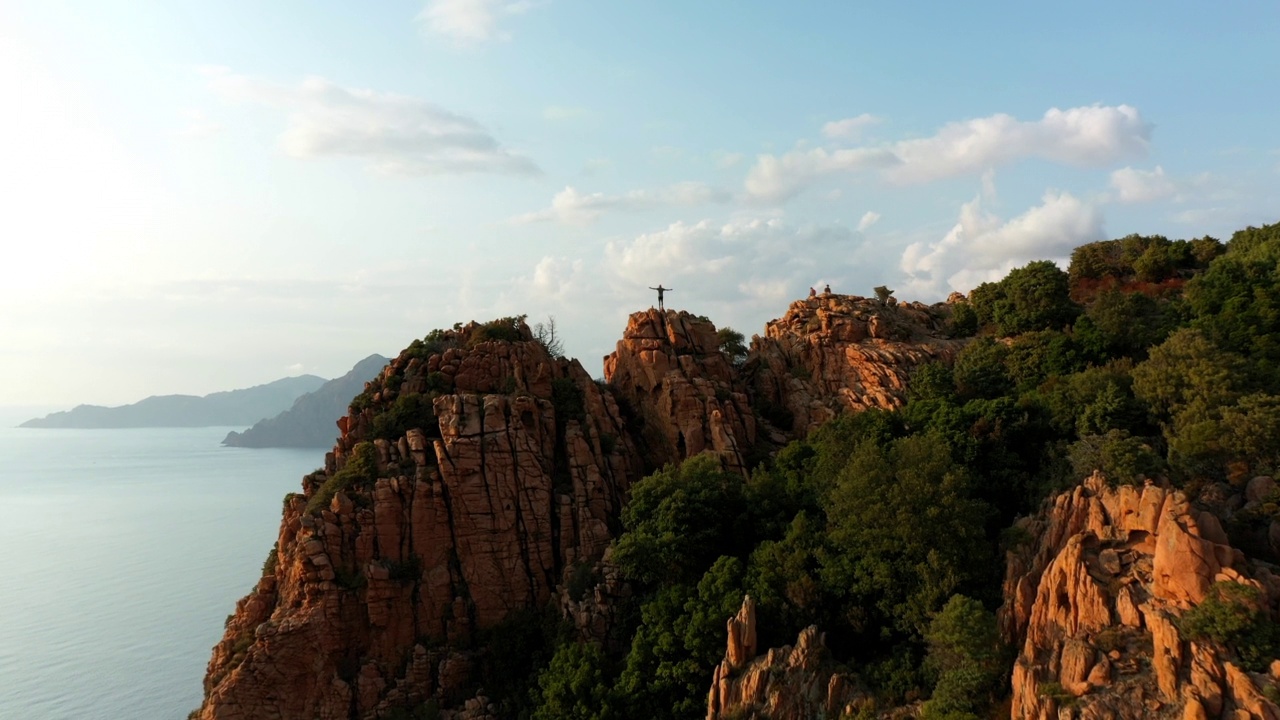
[311, 422]
[234, 407]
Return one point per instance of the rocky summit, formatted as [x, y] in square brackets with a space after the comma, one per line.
[822, 524]
[478, 473]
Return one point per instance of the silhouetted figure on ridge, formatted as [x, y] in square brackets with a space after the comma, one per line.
[827, 290]
[660, 290]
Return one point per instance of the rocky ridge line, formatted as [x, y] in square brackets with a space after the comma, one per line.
[834, 353]
[477, 476]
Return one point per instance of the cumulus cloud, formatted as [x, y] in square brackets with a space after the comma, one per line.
[776, 178]
[982, 247]
[393, 133]
[469, 21]
[576, 208]
[869, 218]
[555, 277]
[1090, 136]
[1139, 186]
[850, 127]
[752, 263]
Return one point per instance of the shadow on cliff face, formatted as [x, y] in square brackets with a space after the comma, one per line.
[479, 474]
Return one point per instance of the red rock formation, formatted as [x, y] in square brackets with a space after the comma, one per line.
[470, 520]
[787, 683]
[1093, 602]
[669, 367]
[832, 353]
[500, 475]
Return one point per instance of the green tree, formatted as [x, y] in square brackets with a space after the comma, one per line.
[964, 656]
[574, 685]
[905, 532]
[680, 639]
[1234, 615]
[1187, 373]
[679, 520]
[1034, 297]
[733, 344]
[980, 370]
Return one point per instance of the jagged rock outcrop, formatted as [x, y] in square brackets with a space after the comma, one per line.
[497, 471]
[669, 368]
[477, 478]
[787, 683]
[832, 353]
[1093, 602]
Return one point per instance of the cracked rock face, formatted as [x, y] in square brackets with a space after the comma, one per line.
[469, 520]
[668, 367]
[833, 353]
[498, 473]
[1094, 601]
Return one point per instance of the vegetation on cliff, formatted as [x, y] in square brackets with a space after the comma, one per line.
[1148, 359]
[881, 526]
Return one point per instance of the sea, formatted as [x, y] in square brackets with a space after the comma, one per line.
[121, 554]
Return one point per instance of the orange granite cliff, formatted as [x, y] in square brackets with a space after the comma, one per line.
[478, 473]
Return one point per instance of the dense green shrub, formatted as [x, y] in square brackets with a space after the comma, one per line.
[1234, 615]
[574, 686]
[504, 329]
[409, 411]
[679, 520]
[360, 470]
[1034, 297]
[733, 344]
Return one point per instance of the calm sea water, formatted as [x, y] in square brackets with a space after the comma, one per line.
[121, 554]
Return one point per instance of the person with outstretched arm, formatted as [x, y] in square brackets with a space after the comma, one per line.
[660, 290]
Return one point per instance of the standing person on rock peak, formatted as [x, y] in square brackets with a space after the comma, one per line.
[660, 290]
[827, 289]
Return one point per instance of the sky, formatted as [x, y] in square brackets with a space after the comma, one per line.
[202, 196]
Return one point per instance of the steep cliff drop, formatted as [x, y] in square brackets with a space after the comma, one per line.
[1096, 602]
[669, 368]
[477, 473]
[467, 478]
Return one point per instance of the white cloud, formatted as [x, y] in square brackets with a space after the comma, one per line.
[554, 278]
[469, 21]
[982, 247]
[576, 208]
[395, 133]
[1139, 186]
[869, 218]
[775, 178]
[745, 264]
[850, 127]
[1091, 136]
